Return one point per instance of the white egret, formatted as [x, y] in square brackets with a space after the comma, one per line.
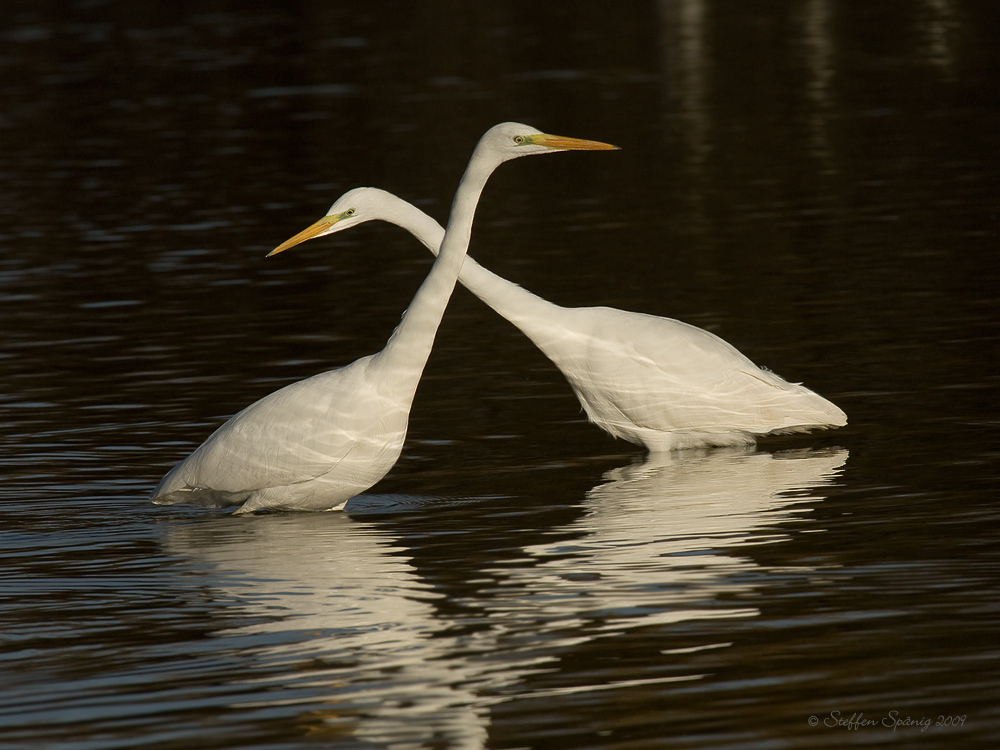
[315, 444]
[654, 381]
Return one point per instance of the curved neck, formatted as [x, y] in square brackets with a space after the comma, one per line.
[410, 344]
[532, 314]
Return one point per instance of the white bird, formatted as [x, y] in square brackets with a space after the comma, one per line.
[317, 443]
[653, 381]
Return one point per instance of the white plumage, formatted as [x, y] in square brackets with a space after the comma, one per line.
[654, 381]
[316, 443]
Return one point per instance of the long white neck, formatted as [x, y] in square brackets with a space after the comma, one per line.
[410, 345]
[532, 314]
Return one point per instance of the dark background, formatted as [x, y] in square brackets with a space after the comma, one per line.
[816, 182]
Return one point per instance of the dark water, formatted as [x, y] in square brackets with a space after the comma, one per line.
[819, 185]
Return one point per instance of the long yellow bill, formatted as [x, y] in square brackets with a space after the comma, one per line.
[563, 143]
[308, 233]
[555, 142]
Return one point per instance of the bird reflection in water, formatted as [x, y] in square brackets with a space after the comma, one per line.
[343, 629]
[347, 631]
[656, 535]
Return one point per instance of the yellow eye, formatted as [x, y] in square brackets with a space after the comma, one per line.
[350, 212]
[519, 139]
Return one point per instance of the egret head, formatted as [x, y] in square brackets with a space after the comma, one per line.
[353, 207]
[509, 140]
[502, 142]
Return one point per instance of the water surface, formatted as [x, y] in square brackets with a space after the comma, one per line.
[816, 185]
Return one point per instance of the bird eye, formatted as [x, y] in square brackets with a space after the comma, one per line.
[519, 139]
[350, 212]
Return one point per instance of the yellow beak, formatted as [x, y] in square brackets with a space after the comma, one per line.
[555, 142]
[563, 143]
[307, 234]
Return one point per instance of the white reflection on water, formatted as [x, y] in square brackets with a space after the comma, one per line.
[346, 629]
[686, 73]
[817, 42]
[652, 546]
[346, 613]
[939, 26]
